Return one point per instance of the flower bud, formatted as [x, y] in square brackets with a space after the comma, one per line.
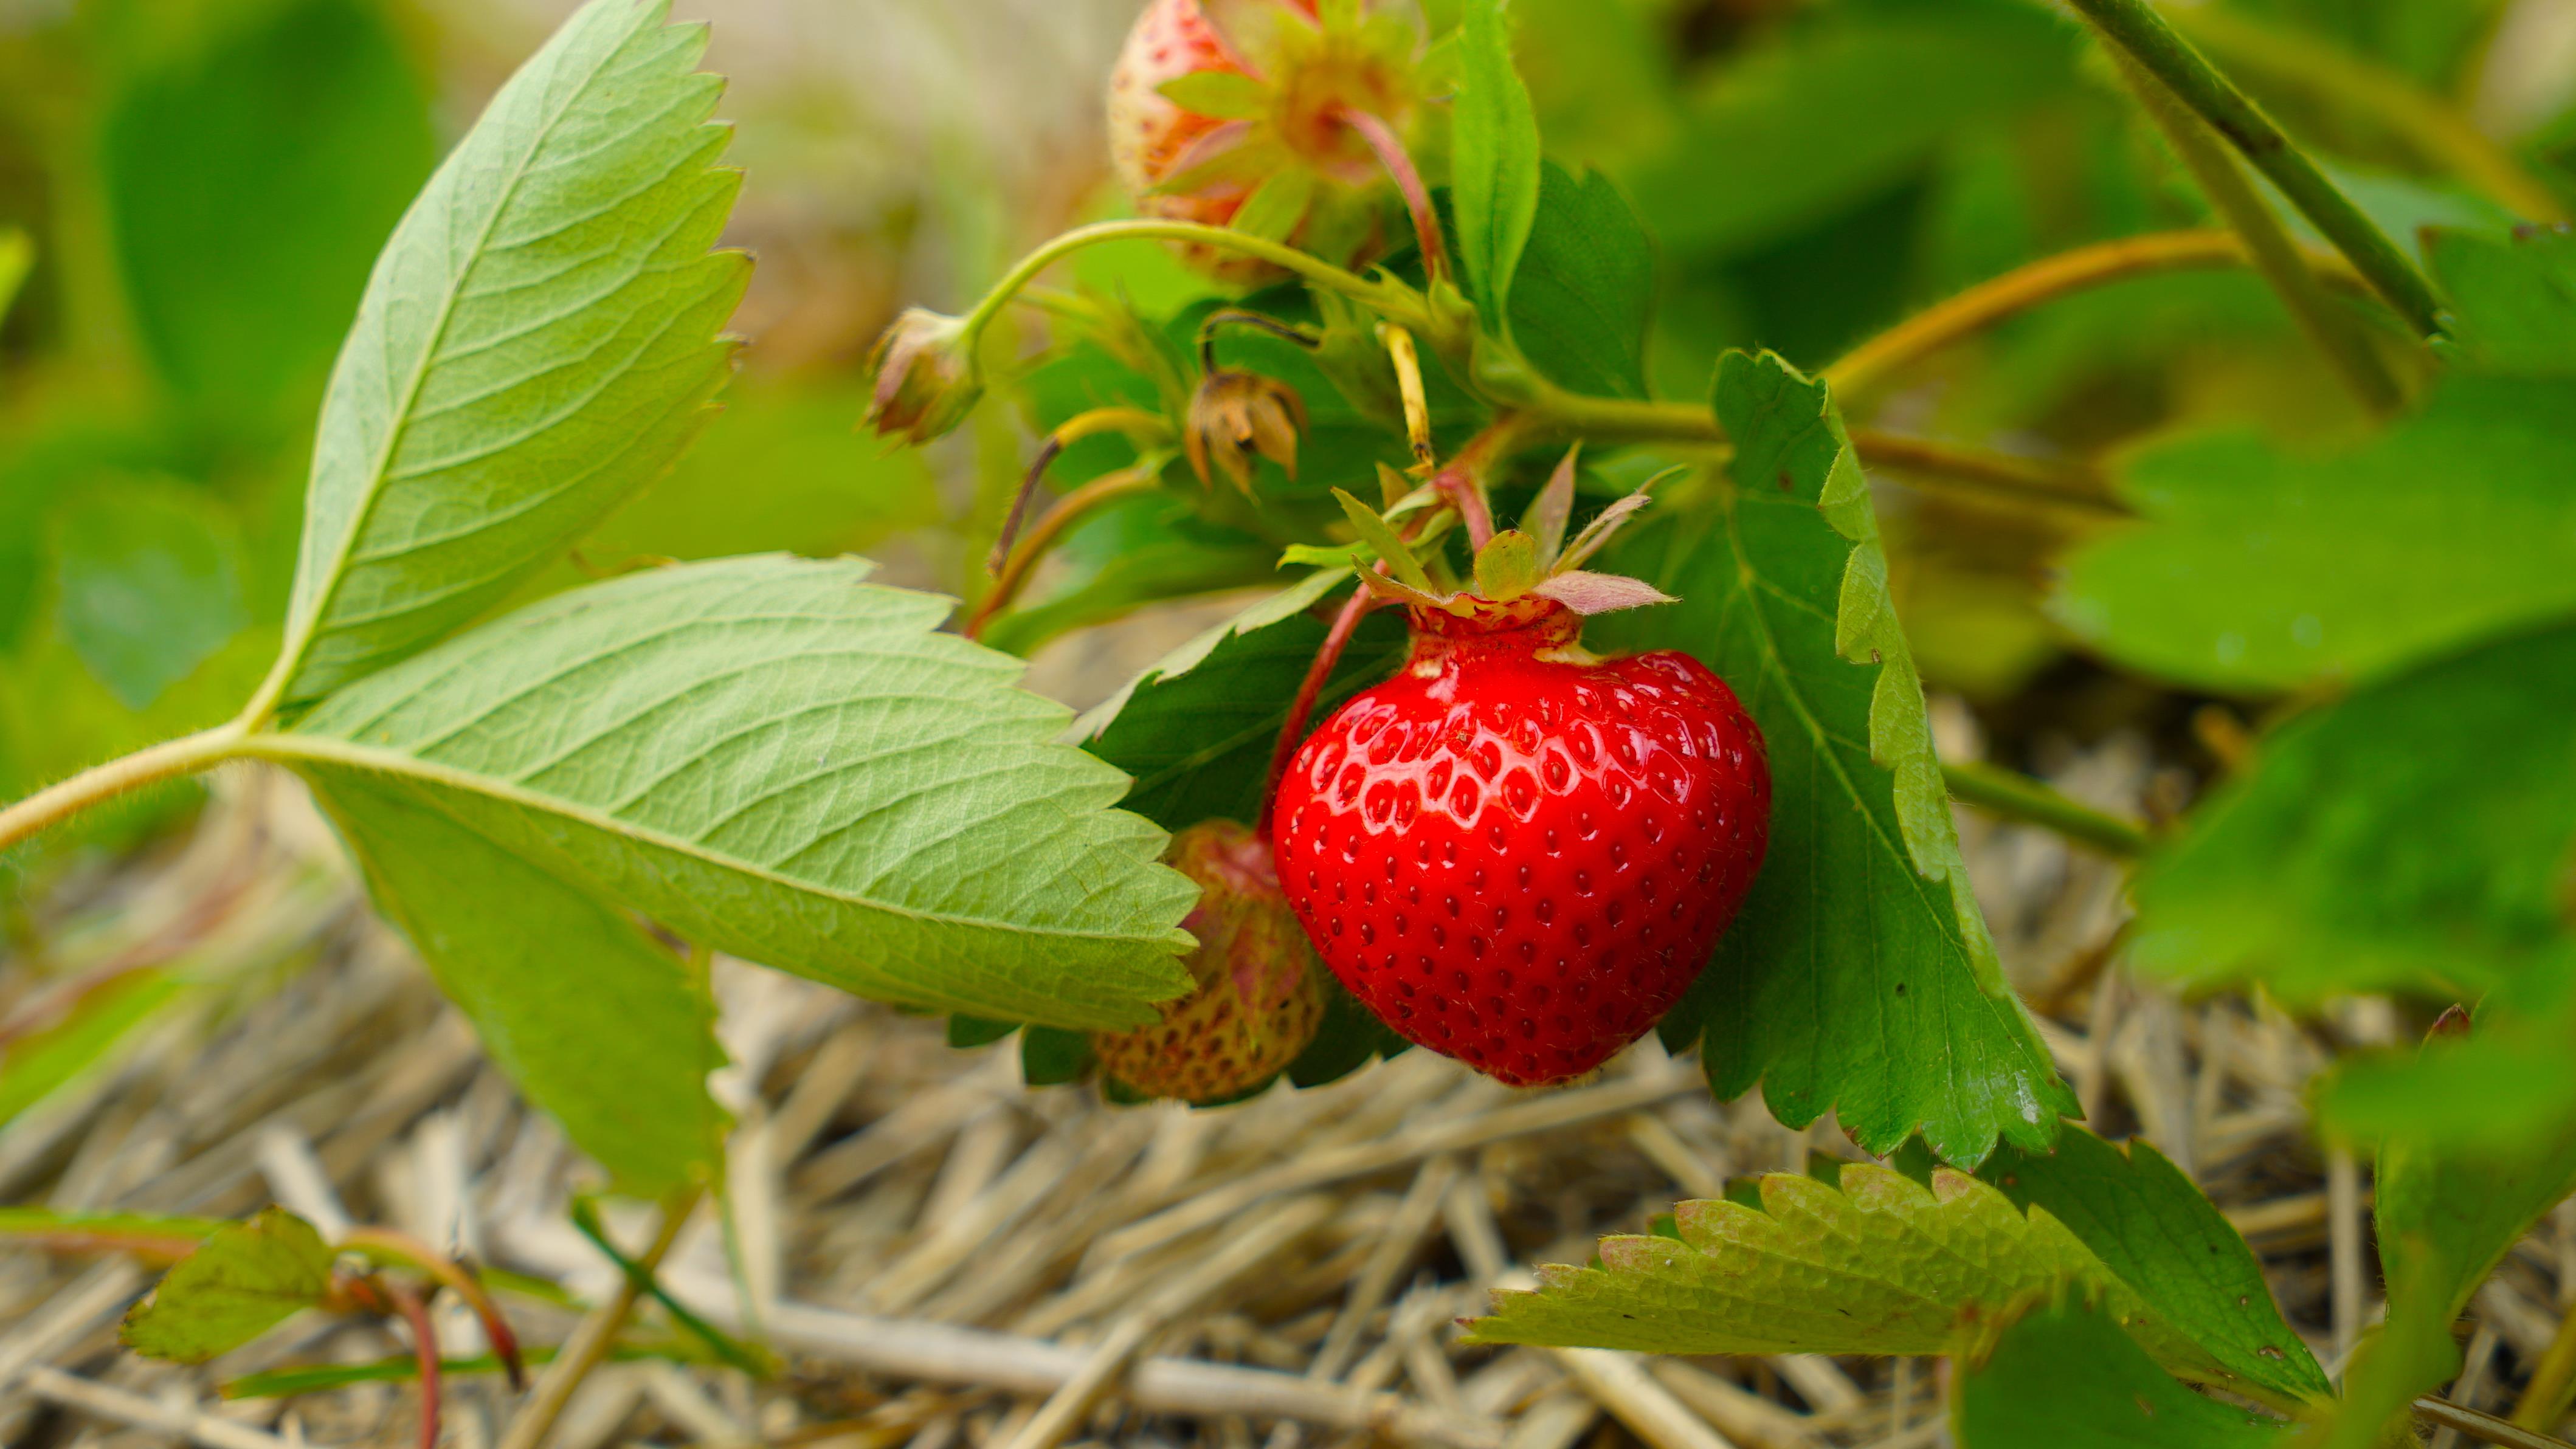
[926, 378]
[1235, 416]
[1258, 995]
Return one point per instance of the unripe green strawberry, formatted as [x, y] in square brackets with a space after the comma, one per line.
[1259, 993]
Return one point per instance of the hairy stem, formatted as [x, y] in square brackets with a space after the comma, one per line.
[2428, 124]
[1865, 367]
[1387, 298]
[592, 1337]
[1049, 531]
[2337, 334]
[2016, 796]
[167, 760]
[1292, 730]
[2136, 28]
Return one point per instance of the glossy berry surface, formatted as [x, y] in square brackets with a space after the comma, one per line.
[1257, 993]
[1520, 861]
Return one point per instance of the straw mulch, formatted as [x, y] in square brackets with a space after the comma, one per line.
[936, 1251]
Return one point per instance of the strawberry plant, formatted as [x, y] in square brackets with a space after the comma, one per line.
[1590, 705]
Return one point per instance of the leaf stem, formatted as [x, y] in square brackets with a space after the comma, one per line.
[2373, 92]
[1387, 298]
[1988, 477]
[592, 1337]
[167, 760]
[1867, 366]
[2016, 796]
[2337, 334]
[2135, 27]
[1050, 529]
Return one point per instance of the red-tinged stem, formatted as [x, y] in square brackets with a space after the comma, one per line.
[1292, 731]
[424, 1348]
[1147, 429]
[1024, 555]
[1417, 197]
[390, 1245]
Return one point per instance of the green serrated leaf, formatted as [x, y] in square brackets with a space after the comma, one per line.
[1860, 976]
[1507, 566]
[2064, 1376]
[538, 341]
[1390, 547]
[1197, 728]
[1879, 1265]
[1494, 161]
[965, 1033]
[2143, 1218]
[1226, 95]
[149, 583]
[1051, 1056]
[1585, 286]
[244, 1280]
[777, 760]
[249, 174]
[2415, 835]
[2515, 299]
[595, 1021]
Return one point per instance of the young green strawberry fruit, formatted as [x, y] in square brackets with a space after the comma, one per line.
[1516, 853]
[1259, 114]
[1259, 995]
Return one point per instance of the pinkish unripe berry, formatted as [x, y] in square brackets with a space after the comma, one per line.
[1258, 993]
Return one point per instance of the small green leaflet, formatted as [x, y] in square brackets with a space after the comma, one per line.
[1879, 1265]
[243, 1281]
[2414, 835]
[1197, 728]
[149, 574]
[1860, 976]
[2063, 1376]
[594, 1020]
[776, 759]
[538, 341]
[1585, 287]
[1494, 161]
[2170, 1245]
[2255, 568]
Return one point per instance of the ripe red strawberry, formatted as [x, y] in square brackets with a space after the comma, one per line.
[1234, 113]
[1517, 856]
[1259, 997]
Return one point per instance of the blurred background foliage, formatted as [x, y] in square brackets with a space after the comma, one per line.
[193, 191]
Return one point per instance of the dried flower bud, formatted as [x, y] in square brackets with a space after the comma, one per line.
[1258, 997]
[1236, 415]
[926, 379]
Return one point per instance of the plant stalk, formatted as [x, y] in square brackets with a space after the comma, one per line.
[1292, 730]
[1866, 367]
[2484, 1427]
[2136, 28]
[1049, 530]
[1389, 299]
[2380, 96]
[1992, 478]
[167, 760]
[2553, 1380]
[2016, 796]
[592, 1337]
[2337, 334]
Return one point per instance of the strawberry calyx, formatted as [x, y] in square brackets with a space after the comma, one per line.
[1521, 574]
